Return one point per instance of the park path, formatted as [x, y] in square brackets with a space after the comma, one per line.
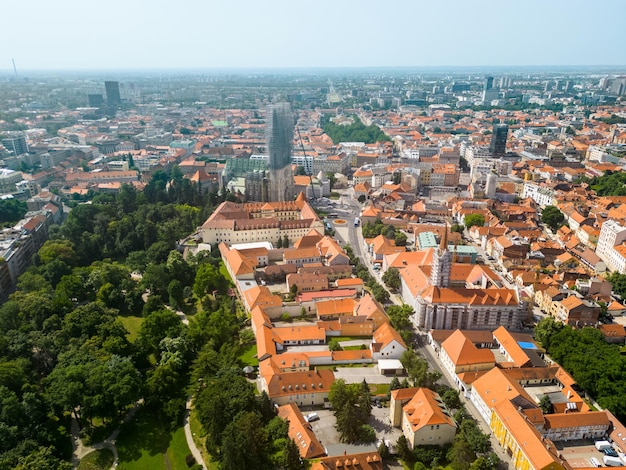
[197, 453]
[80, 450]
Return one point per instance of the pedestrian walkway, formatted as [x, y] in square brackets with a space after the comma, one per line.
[80, 450]
[197, 453]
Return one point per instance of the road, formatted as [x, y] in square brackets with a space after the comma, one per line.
[348, 210]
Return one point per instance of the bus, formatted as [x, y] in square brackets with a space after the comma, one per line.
[333, 215]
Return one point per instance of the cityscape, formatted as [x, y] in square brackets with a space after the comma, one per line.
[331, 236]
[395, 264]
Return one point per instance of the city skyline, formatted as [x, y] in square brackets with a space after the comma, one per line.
[140, 35]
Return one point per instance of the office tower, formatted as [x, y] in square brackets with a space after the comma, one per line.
[95, 100]
[498, 139]
[548, 86]
[489, 92]
[113, 93]
[569, 86]
[279, 137]
[488, 83]
[17, 145]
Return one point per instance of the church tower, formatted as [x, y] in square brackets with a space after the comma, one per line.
[442, 263]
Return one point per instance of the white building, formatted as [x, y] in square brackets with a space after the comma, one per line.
[543, 196]
[610, 246]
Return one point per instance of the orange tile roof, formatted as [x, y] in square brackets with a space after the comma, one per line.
[425, 409]
[385, 334]
[290, 383]
[335, 307]
[513, 349]
[463, 352]
[301, 433]
[526, 436]
[363, 461]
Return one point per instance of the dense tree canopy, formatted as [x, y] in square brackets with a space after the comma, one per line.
[355, 132]
[597, 367]
[11, 210]
[474, 219]
[552, 217]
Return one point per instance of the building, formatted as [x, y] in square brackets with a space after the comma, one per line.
[447, 295]
[17, 145]
[426, 421]
[8, 180]
[95, 100]
[279, 140]
[113, 93]
[610, 246]
[498, 140]
[363, 461]
[256, 222]
[301, 433]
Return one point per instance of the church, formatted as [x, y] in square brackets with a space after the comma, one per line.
[449, 295]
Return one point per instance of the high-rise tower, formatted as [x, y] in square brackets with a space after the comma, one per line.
[113, 93]
[498, 140]
[279, 137]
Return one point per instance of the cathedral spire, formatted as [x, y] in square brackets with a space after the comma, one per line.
[443, 244]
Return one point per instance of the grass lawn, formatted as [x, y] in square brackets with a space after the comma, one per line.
[97, 460]
[146, 443]
[132, 325]
[353, 348]
[248, 355]
[224, 272]
[379, 389]
[351, 338]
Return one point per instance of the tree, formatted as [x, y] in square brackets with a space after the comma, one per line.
[279, 243]
[333, 345]
[491, 461]
[285, 242]
[361, 198]
[400, 317]
[208, 279]
[546, 329]
[618, 282]
[391, 278]
[546, 404]
[352, 405]
[400, 238]
[477, 440]
[451, 398]
[460, 454]
[380, 293]
[474, 219]
[244, 443]
[458, 228]
[552, 217]
[417, 370]
[220, 401]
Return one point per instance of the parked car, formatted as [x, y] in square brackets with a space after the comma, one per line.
[311, 417]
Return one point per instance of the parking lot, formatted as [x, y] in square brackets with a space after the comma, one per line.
[324, 429]
[371, 375]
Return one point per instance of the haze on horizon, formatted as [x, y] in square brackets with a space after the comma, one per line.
[75, 35]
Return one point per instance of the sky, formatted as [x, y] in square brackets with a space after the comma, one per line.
[209, 34]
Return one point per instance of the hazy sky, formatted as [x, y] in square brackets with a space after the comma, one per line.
[171, 34]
